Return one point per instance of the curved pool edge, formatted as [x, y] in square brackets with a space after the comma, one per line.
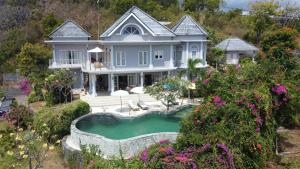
[111, 148]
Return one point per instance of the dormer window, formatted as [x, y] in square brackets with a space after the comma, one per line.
[131, 30]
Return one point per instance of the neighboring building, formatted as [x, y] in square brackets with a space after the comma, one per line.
[235, 49]
[135, 51]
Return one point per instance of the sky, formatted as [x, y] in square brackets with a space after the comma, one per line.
[243, 4]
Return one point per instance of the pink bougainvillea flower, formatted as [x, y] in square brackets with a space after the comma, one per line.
[259, 121]
[164, 142]
[218, 101]
[257, 130]
[205, 82]
[238, 67]
[279, 89]
[144, 155]
[181, 158]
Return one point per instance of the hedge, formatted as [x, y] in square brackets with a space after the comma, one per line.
[54, 122]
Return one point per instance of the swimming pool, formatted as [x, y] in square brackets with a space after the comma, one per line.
[113, 133]
[116, 128]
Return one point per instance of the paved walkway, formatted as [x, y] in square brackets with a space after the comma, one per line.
[101, 101]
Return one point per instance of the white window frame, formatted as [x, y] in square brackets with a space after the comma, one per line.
[194, 50]
[120, 57]
[76, 57]
[160, 54]
[144, 58]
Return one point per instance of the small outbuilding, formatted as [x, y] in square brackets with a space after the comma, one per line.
[235, 49]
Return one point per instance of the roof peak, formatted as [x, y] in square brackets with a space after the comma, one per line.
[73, 22]
[144, 18]
[188, 26]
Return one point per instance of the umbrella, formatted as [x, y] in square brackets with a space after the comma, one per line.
[96, 50]
[120, 93]
[191, 86]
[138, 90]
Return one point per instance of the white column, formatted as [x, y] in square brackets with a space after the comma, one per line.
[112, 84]
[54, 57]
[150, 57]
[187, 53]
[112, 57]
[94, 92]
[204, 53]
[171, 56]
[202, 50]
[82, 80]
[90, 84]
[109, 82]
[142, 79]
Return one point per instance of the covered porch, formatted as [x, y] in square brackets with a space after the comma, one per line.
[97, 84]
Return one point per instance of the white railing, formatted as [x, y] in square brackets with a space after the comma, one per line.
[96, 66]
[61, 63]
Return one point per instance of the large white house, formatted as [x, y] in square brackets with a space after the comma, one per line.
[136, 50]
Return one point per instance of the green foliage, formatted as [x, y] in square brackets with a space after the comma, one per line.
[58, 87]
[168, 89]
[200, 5]
[9, 47]
[278, 46]
[20, 116]
[50, 22]
[215, 57]
[261, 17]
[34, 97]
[92, 158]
[2, 94]
[6, 141]
[57, 119]
[33, 59]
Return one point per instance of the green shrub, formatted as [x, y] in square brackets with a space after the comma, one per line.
[20, 116]
[33, 97]
[57, 119]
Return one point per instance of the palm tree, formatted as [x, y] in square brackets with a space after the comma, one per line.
[191, 68]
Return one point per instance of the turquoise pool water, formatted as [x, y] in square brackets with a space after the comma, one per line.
[114, 128]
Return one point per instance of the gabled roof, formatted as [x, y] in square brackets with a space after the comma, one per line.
[69, 29]
[236, 44]
[148, 22]
[188, 26]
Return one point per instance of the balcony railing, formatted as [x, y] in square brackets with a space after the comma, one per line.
[96, 66]
[65, 63]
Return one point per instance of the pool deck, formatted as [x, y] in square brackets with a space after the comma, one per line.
[112, 104]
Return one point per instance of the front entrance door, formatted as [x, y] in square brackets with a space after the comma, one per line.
[102, 83]
[123, 82]
[148, 79]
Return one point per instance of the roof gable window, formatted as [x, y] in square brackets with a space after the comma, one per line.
[131, 30]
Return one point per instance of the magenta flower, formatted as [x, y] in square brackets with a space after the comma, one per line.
[298, 88]
[238, 67]
[144, 155]
[25, 86]
[205, 82]
[164, 142]
[181, 159]
[257, 130]
[253, 108]
[259, 121]
[279, 89]
[218, 101]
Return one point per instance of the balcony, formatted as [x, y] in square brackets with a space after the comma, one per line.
[65, 63]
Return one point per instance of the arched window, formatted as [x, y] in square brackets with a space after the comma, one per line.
[131, 30]
[194, 52]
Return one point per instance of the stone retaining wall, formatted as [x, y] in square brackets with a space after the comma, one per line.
[129, 147]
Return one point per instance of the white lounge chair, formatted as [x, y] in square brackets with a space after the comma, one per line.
[133, 106]
[143, 105]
